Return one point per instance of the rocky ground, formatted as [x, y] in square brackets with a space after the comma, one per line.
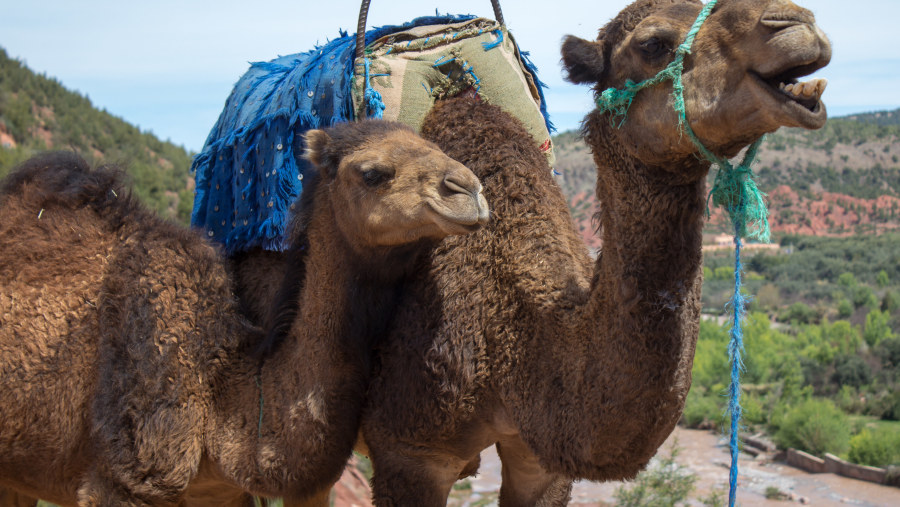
[703, 453]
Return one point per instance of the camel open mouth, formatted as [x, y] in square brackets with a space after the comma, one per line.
[802, 99]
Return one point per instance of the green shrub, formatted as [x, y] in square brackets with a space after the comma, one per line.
[816, 426]
[863, 295]
[752, 410]
[878, 448]
[702, 411]
[773, 493]
[847, 399]
[799, 313]
[851, 371]
[877, 327]
[665, 483]
[723, 273]
[888, 350]
[889, 407]
[847, 280]
[890, 302]
[845, 308]
[768, 297]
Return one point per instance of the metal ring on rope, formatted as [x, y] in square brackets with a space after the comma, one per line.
[364, 14]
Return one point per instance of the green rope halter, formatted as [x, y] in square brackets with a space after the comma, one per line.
[734, 188]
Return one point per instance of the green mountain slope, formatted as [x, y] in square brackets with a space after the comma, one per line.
[38, 113]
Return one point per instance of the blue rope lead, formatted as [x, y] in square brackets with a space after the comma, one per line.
[735, 348]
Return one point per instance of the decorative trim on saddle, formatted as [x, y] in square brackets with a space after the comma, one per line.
[251, 169]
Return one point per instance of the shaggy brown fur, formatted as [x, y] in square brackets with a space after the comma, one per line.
[510, 336]
[127, 368]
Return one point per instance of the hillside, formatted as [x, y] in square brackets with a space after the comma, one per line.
[38, 113]
[841, 180]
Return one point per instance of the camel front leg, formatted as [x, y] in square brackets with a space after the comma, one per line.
[407, 476]
[320, 499]
[10, 498]
[525, 483]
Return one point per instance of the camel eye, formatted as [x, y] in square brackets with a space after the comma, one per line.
[653, 47]
[375, 177]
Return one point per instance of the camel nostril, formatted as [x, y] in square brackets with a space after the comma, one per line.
[785, 14]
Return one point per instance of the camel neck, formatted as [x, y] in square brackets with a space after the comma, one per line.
[651, 223]
[312, 385]
[623, 348]
[641, 320]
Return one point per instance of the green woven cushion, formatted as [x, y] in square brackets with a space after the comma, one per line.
[414, 68]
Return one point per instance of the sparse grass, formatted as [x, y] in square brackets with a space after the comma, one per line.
[665, 483]
[773, 493]
[463, 485]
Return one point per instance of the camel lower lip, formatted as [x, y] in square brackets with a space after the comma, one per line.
[807, 113]
[455, 222]
[459, 228]
[454, 225]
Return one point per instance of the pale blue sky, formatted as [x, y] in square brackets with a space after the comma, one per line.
[168, 65]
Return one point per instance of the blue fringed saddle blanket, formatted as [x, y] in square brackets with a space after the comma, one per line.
[250, 169]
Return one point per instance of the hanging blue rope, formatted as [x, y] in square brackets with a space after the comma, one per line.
[374, 105]
[735, 349]
[734, 189]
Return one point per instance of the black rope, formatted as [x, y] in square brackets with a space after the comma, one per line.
[498, 14]
[361, 28]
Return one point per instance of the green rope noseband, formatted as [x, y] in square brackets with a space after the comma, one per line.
[734, 188]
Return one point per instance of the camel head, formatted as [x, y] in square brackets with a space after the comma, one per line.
[740, 79]
[390, 187]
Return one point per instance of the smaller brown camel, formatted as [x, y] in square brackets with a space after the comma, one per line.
[131, 377]
[573, 367]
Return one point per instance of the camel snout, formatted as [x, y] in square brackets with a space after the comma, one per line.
[463, 182]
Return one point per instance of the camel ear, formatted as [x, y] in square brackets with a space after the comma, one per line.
[583, 60]
[319, 152]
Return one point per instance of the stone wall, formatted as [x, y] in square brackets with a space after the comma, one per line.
[834, 465]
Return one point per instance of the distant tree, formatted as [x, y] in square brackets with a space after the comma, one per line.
[851, 371]
[724, 273]
[890, 302]
[844, 308]
[888, 350]
[768, 297]
[863, 295]
[799, 313]
[847, 280]
[877, 327]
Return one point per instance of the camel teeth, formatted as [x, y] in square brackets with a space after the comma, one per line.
[810, 88]
[821, 84]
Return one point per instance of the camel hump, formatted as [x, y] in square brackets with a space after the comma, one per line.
[64, 178]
